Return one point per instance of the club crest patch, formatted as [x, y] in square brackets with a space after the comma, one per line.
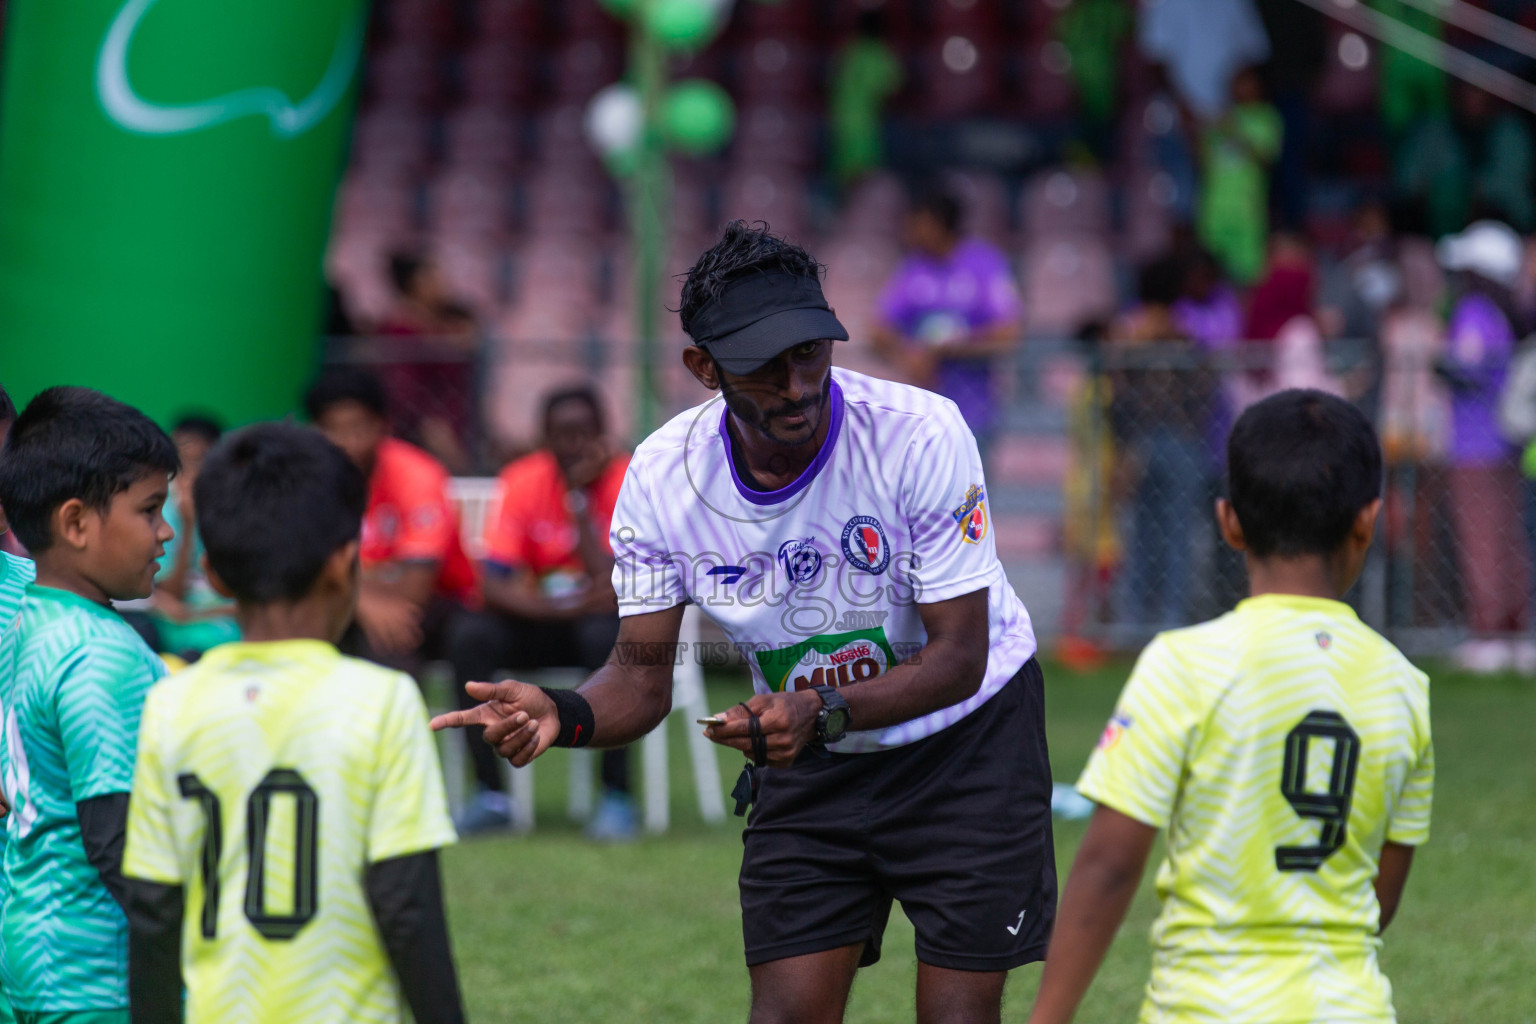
[1116, 728]
[865, 545]
[800, 559]
[975, 528]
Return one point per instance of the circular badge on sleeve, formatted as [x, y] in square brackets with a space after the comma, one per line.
[865, 545]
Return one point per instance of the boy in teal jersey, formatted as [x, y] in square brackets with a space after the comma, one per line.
[15, 573]
[1285, 747]
[288, 807]
[83, 479]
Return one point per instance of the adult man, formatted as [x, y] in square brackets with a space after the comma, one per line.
[836, 526]
[415, 573]
[549, 598]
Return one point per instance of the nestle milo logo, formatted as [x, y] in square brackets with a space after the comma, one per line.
[834, 659]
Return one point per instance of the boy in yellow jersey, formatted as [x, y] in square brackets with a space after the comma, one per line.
[287, 802]
[1285, 747]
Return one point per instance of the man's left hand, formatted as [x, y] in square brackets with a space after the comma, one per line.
[788, 721]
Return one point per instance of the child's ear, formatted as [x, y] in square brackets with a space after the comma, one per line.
[1231, 529]
[1365, 524]
[342, 567]
[72, 523]
[216, 581]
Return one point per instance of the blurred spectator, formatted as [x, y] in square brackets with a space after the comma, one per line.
[950, 310]
[1486, 261]
[1090, 540]
[1208, 311]
[1237, 148]
[188, 614]
[1094, 32]
[1285, 347]
[1201, 45]
[1161, 404]
[1298, 37]
[1411, 88]
[415, 575]
[867, 73]
[430, 380]
[1481, 162]
[549, 599]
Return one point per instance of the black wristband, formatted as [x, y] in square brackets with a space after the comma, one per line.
[576, 722]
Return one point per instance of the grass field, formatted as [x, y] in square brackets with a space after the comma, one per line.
[550, 928]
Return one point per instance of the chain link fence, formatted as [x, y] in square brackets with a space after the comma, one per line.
[1114, 537]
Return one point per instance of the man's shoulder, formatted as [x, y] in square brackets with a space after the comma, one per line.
[535, 468]
[693, 428]
[402, 462]
[873, 403]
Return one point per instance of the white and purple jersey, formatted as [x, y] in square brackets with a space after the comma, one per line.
[820, 581]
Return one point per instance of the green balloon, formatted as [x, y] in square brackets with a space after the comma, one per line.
[698, 116]
[683, 24]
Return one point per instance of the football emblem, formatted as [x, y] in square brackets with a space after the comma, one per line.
[865, 545]
[975, 525]
[800, 559]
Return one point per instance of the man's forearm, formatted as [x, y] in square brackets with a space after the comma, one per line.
[631, 695]
[941, 674]
[411, 581]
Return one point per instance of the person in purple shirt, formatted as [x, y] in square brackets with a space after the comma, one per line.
[949, 311]
[1485, 481]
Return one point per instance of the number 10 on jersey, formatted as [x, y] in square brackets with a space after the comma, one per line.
[258, 813]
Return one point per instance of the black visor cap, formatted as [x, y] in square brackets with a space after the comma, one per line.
[758, 316]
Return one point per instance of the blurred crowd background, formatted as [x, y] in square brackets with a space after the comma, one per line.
[1102, 226]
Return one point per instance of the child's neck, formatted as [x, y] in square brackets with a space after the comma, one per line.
[61, 574]
[1303, 576]
[303, 619]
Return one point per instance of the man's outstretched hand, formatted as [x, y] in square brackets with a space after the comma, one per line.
[520, 720]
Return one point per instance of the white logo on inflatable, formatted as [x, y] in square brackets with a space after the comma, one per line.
[288, 119]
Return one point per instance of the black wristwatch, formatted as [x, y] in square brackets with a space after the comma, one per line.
[833, 718]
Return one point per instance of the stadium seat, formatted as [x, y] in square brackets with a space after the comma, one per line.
[405, 72]
[987, 203]
[774, 195]
[390, 140]
[1064, 202]
[482, 135]
[468, 201]
[1069, 280]
[494, 72]
[515, 21]
[774, 134]
[776, 69]
[960, 77]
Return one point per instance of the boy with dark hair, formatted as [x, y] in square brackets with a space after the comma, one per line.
[1285, 746]
[251, 757]
[83, 479]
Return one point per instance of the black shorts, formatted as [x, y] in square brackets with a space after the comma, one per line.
[957, 827]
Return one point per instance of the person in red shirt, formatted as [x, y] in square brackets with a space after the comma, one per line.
[548, 591]
[415, 575]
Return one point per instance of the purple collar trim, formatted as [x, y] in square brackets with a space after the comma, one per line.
[800, 482]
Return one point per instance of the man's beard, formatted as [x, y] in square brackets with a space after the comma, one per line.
[748, 414]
